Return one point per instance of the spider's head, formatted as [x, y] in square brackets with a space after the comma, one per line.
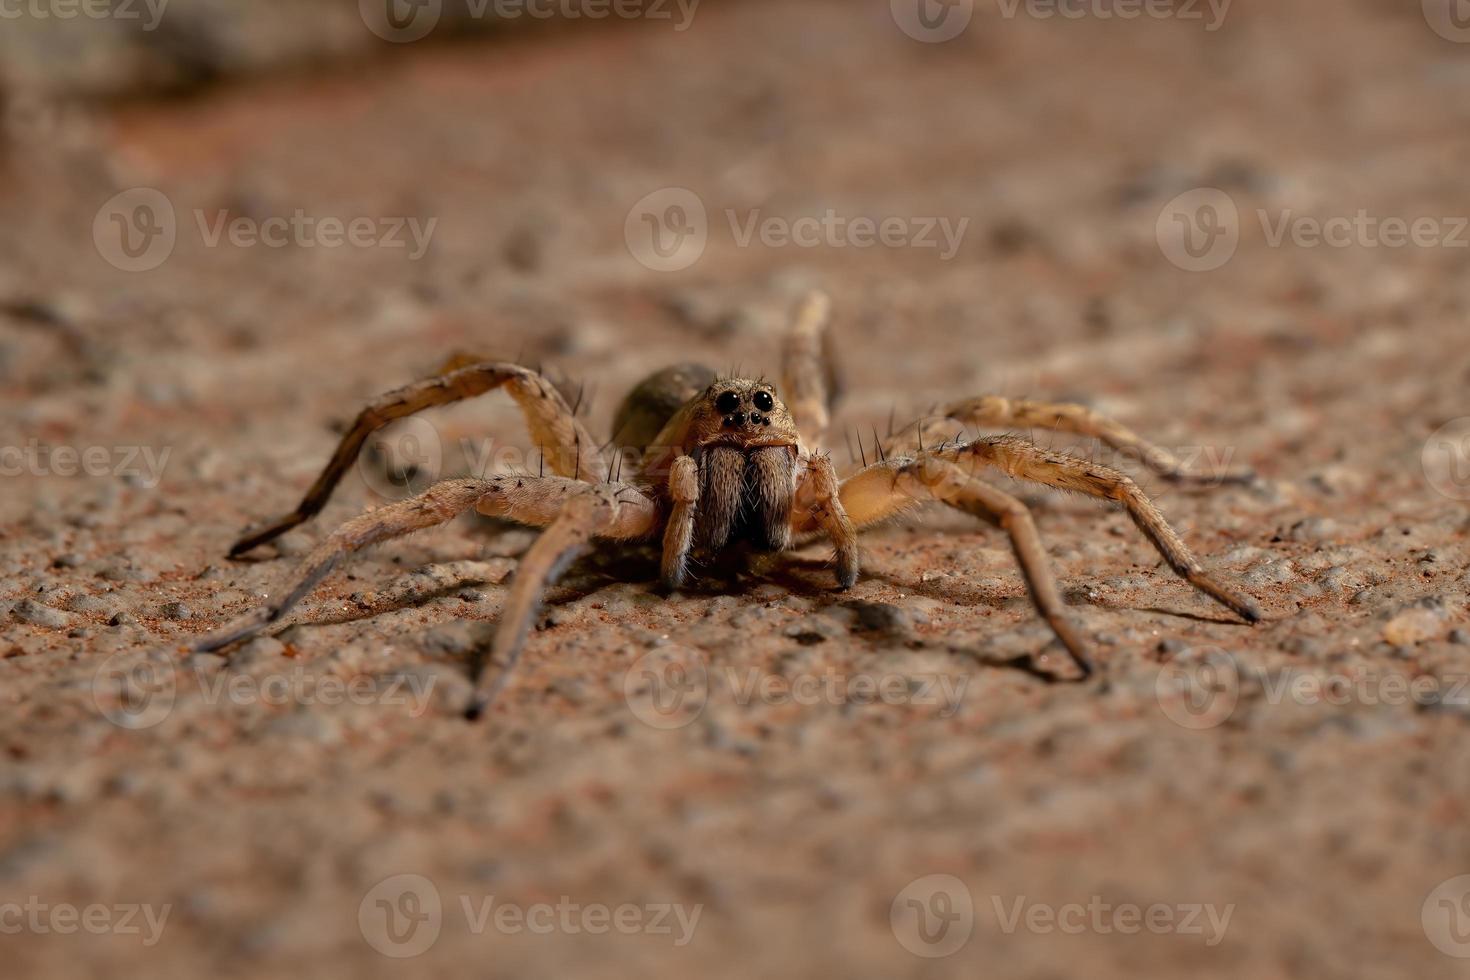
[742, 413]
[745, 443]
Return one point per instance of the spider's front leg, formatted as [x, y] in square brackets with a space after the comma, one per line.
[887, 488]
[819, 508]
[679, 534]
[569, 449]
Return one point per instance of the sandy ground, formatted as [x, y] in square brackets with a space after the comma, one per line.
[705, 785]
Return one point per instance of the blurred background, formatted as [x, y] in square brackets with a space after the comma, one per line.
[1239, 228]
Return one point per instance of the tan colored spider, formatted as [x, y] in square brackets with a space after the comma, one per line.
[722, 462]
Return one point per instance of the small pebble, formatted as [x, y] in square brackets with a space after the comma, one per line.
[32, 612]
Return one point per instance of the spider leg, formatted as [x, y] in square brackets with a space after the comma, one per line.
[572, 450]
[888, 488]
[934, 478]
[604, 511]
[679, 534]
[992, 411]
[809, 383]
[819, 508]
[528, 500]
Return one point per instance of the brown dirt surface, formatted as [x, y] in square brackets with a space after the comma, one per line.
[1284, 775]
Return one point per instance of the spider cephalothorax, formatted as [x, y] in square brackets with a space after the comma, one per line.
[720, 462]
[746, 447]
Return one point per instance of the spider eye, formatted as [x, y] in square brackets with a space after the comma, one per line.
[764, 401]
[727, 402]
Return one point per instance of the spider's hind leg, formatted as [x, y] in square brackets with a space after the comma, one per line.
[810, 380]
[572, 511]
[950, 474]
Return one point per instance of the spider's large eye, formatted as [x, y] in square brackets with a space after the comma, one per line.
[763, 401]
[727, 402]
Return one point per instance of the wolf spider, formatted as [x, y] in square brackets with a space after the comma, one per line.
[722, 462]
